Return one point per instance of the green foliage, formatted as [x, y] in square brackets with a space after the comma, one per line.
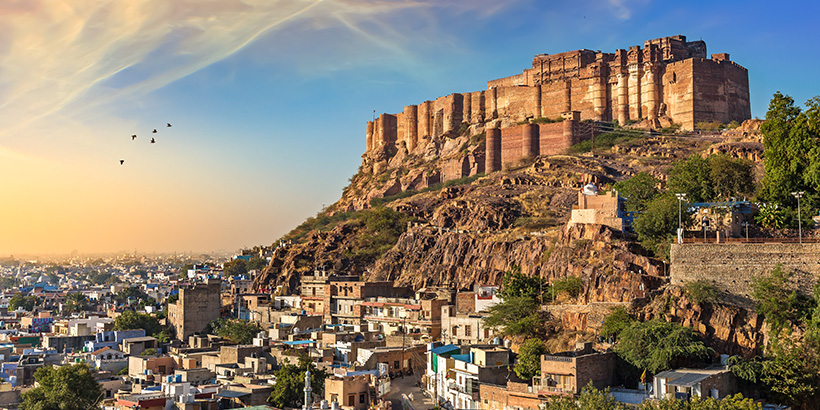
[716, 177]
[615, 322]
[702, 291]
[528, 363]
[781, 305]
[322, 222]
[149, 352]
[791, 152]
[8, 282]
[123, 371]
[130, 295]
[589, 399]
[517, 284]
[736, 402]
[235, 330]
[26, 302]
[572, 286]
[788, 373]
[639, 190]
[382, 227]
[656, 226]
[657, 345]
[172, 299]
[771, 216]
[75, 303]
[63, 388]
[290, 380]
[607, 140]
[235, 267]
[134, 320]
[517, 316]
[102, 278]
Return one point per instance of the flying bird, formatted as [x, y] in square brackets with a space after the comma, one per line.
[122, 161]
[169, 124]
[155, 131]
[133, 137]
[152, 140]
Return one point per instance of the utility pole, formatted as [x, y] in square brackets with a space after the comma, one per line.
[799, 195]
[681, 197]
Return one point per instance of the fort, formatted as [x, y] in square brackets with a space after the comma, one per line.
[668, 81]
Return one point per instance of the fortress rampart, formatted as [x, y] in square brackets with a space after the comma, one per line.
[735, 265]
[669, 80]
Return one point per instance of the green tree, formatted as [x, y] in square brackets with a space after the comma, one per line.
[693, 177]
[256, 263]
[657, 225]
[528, 363]
[791, 151]
[657, 345]
[779, 304]
[235, 267]
[290, 380]
[571, 286]
[75, 303]
[731, 177]
[589, 399]
[616, 321]
[235, 330]
[517, 284]
[63, 388]
[130, 294]
[638, 190]
[517, 316]
[26, 302]
[134, 320]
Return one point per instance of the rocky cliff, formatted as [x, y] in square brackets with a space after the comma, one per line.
[472, 230]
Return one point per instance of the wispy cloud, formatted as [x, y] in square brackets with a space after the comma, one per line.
[55, 52]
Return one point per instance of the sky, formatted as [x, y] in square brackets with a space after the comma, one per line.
[268, 99]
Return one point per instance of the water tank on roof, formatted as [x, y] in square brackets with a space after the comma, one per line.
[590, 189]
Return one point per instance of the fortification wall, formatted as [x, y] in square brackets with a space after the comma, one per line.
[734, 266]
[721, 90]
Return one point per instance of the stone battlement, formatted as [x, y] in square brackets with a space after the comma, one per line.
[669, 80]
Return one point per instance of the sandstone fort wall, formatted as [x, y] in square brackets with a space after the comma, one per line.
[735, 265]
[668, 78]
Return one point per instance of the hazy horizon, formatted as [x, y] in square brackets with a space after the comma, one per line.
[268, 100]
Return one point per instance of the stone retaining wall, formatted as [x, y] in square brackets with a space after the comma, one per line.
[734, 266]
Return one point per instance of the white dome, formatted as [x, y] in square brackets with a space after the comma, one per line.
[590, 189]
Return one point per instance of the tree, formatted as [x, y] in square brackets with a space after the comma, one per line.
[517, 316]
[76, 302]
[657, 345]
[791, 155]
[134, 320]
[589, 399]
[517, 284]
[256, 263]
[26, 302]
[129, 295]
[63, 388]
[693, 177]
[237, 331]
[290, 380]
[235, 267]
[716, 177]
[528, 363]
[638, 190]
[656, 226]
[616, 321]
[781, 305]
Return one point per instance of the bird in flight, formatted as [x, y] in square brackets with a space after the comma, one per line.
[152, 140]
[122, 161]
[155, 131]
[133, 137]
[169, 124]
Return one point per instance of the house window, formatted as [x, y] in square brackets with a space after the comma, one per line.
[351, 400]
[362, 398]
[396, 364]
[468, 331]
[455, 331]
